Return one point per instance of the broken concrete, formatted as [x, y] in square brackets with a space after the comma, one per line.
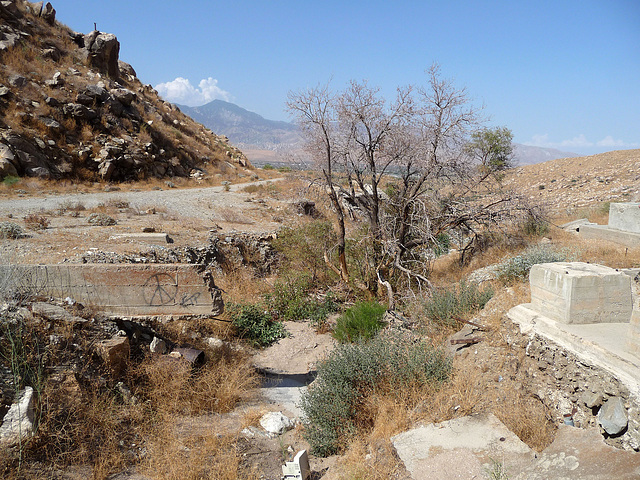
[151, 238]
[577, 292]
[155, 289]
[623, 226]
[601, 232]
[625, 217]
[298, 469]
[17, 424]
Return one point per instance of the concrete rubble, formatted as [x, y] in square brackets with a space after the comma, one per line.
[623, 226]
[17, 424]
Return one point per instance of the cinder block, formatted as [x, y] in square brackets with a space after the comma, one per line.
[625, 217]
[576, 292]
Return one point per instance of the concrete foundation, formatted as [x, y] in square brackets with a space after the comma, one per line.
[581, 293]
[601, 232]
[151, 238]
[120, 289]
[625, 217]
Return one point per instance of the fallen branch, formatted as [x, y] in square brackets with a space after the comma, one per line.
[482, 328]
[466, 341]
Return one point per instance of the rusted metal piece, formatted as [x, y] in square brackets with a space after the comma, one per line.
[473, 324]
[192, 355]
[468, 341]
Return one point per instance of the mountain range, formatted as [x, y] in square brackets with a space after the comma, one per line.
[280, 143]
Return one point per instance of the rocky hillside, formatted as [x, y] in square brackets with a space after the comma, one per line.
[69, 108]
[569, 183]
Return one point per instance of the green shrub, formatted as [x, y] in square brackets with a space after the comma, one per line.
[445, 304]
[11, 230]
[268, 166]
[285, 169]
[387, 364]
[443, 244]
[255, 325]
[360, 322]
[520, 265]
[10, 180]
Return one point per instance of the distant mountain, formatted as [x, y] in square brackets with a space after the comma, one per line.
[529, 155]
[276, 142]
[246, 129]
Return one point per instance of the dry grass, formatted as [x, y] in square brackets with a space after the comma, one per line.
[231, 215]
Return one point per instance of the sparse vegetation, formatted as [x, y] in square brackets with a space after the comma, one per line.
[11, 230]
[255, 325]
[445, 304]
[518, 267]
[360, 322]
[36, 222]
[101, 219]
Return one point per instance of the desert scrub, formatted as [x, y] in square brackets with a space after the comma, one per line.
[360, 322]
[255, 324]
[11, 230]
[447, 303]
[292, 299]
[335, 405]
[36, 222]
[101, 219]
[520, 265]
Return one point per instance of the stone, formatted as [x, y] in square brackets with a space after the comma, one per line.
[28, 158]
[126, 69]
[215, 343]
[123, 95]
[4, 92]
[79, 111]
[158, 346]
[7, 169]
[298, 469]
[612, 416]
[581, 293]
[103, 50]
[17, 424]
[48, 13]
[114, 353]
[54, 312]
[276, 423]
[16, 80]
[52, 53]
[625, 216]
[592, 399]
[50, 123]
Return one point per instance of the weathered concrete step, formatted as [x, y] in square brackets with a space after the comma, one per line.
[121, 289]
[151, 238]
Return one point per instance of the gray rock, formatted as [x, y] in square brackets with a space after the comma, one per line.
[158, 346]
[123, 95]
[27, 157]
[52, 102]
[4, 91]
[591, 399]
[126, 69]
[7, 169]
[18, 422]
[613, 416]
[49, 13]
[16, 80]
[54, 312]
[103, 50]
[56, 81]
[79, 111]
[50, 123]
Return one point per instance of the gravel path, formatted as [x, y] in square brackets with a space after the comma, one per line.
[184, 202]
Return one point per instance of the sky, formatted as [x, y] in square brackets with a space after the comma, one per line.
[562, 74]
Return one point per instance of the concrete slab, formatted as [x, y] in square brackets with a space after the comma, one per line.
[151, 238]
[121, 289]
[602, 345]
[625, 216]
[461, 448]
[577, 292]
[601, 232]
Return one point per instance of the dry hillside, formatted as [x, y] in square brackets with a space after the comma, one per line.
[69, 108]
[573, 183]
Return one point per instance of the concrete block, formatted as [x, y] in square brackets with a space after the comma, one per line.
[114, 353]
[151, 238]
[121, 289]
[600, 232]
[625, 217]
[576, 292]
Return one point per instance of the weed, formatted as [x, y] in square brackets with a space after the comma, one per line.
[255, 325]
[11, 230]
[519, 266]
[36, 222]
[447, 303]
[360, 322]
[497, 471]
[268, 166]
[337, 405]
[10, 180]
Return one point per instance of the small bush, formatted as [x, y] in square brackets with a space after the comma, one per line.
[36, 222]
[442, 245]
[445, 304]
[10, 180]
[335, 404]
[360, 322]
[11, 230]
[255, 325]
[101, 219]
[268, 166]
[520, 265]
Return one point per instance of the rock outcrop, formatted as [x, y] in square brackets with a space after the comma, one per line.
[69, 107]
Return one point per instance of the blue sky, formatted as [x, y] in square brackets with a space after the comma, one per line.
[561, 74]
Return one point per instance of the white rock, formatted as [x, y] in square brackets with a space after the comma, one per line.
[276, 423]
[18, 422]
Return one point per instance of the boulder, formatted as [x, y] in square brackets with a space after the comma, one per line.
[276, 423]
[126, 69]
[48, 13]
[28, 158]
[123, 95]
[158, 346]
[115, 353]
[79, 111]
[18, 422]
[52, 53]
[103, 50]
[16, 80]
[612, 416]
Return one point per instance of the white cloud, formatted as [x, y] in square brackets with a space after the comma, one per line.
[578, 141]
[181, 91]
[609, 141]
[581, 142]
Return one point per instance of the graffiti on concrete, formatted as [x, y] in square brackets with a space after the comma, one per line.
[160, 289]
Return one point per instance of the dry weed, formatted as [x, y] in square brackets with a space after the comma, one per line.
[381, 462]
[231, 215]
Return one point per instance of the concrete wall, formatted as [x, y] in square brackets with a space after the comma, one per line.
[576, 292]
[625, 217]
[600, 232]
[122, 289]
